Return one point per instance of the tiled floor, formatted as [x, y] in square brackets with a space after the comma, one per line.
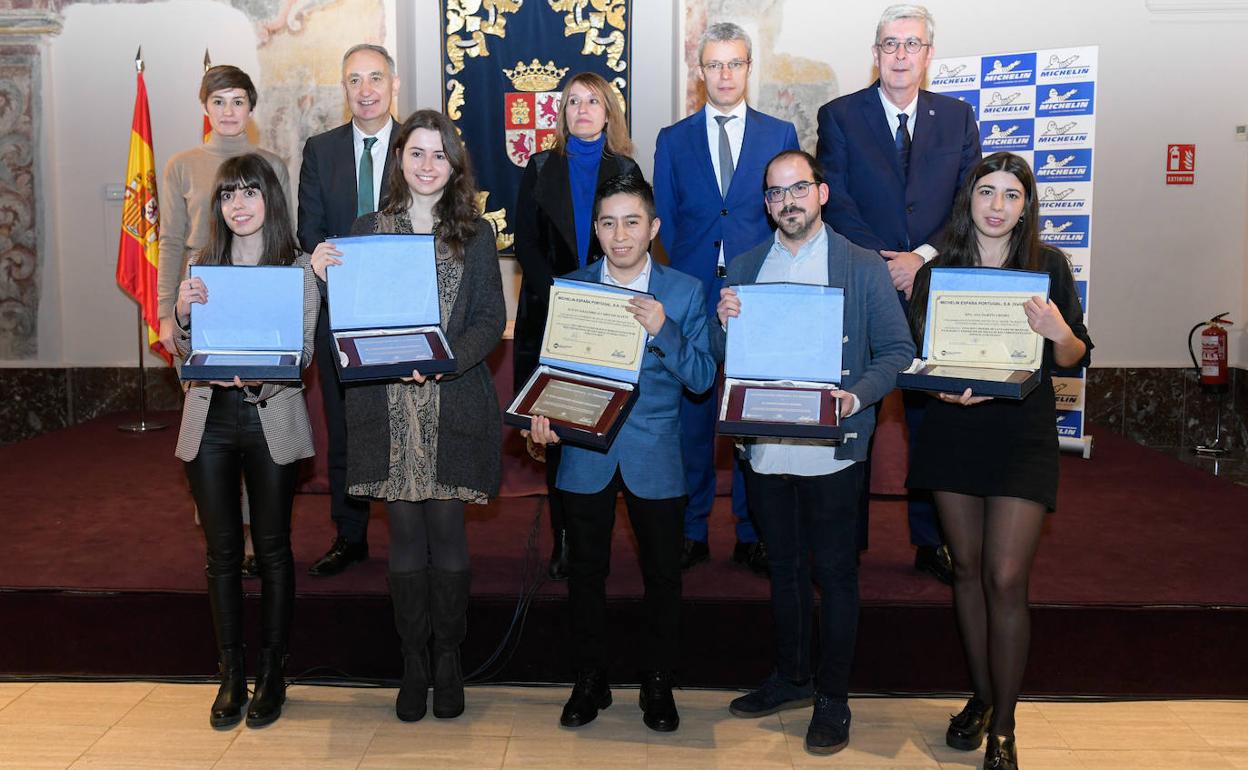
[144, 725]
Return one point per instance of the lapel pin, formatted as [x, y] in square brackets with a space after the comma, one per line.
[931, 112]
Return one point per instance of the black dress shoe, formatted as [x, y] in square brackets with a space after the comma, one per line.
[559, 556]
[935, 561]
[693, 553]
[1001, 753]
[339, 556]
[967, 728]
[658, 707]
[590, 694]
[250, 570]
[753, 556]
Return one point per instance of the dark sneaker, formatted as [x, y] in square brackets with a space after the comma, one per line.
[775, 694]
[829, 727]
[752, 556]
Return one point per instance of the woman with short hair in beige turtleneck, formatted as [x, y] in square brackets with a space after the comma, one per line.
[186, 204]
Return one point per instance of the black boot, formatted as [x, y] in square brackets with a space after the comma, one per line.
[227, 709]
[266, 704]
[559, 556]
[409, 591]
[448, 601]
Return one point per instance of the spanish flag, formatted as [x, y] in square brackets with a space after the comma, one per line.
[139, 250]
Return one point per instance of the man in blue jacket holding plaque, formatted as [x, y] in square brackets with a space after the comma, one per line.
[643, 462]
[804, 494]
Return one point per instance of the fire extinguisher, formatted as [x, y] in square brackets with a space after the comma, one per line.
[1211, 368]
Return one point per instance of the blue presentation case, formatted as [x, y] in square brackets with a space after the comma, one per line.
[787, 342]
[250, 327]
[382, 299]
[933, 373]
[620, 382]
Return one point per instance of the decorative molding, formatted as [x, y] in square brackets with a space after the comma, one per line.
[19, 194]
[1172, 8]
[29, 22]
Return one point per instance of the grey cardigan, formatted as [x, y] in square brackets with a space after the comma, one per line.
[469, 419]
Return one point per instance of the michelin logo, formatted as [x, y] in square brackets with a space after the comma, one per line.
[1064, 99]
[1005, 135]
[1064, 166]
[1065, 231]
[1007, 102]
[1016, 70]
[948, 75]
[1064, 67]
[1061, 198]
[1061, 132]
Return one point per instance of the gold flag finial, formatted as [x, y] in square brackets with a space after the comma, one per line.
[207, 61]
[138, 59]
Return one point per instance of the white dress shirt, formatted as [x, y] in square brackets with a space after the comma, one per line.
[641, 283]
[735, 129]
[378, 152]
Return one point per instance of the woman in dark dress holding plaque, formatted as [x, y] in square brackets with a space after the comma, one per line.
[428, 446]
[252, 431]
[992, 464]
[554, 232]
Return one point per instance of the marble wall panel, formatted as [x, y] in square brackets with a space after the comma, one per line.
[19, 228]
[1153, 406]
[1103, 394]
[35, 402]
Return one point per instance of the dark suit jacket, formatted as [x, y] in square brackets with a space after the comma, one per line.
[870, 203]
[545, 244]
[696, 218]
[327, 185]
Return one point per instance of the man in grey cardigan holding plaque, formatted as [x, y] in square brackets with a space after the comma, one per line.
[804, 494]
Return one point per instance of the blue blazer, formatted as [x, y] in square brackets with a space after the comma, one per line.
[877, 342]
[695, 217]
[647, 448]
[870, 203]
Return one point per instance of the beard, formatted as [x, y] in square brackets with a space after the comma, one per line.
[795, 223]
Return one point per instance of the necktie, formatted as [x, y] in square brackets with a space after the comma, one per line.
[364, 180]
[725, 155]
[902, 140]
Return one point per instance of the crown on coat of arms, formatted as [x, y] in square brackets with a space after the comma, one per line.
[536, 76]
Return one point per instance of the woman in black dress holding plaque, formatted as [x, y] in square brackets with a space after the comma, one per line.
[256, 432]
[554, 234]
[428, 446]
[992, 464]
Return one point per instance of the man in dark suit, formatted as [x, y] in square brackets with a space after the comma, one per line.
[344, 175]
[708, 169]
[895, 156]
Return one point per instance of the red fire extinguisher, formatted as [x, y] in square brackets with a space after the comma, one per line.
[1211, 368]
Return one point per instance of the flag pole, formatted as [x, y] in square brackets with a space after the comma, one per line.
[143, 425]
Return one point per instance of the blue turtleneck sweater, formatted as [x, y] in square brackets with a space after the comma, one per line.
[583, 160]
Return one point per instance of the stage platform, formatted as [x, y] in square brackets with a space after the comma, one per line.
[1140, 586]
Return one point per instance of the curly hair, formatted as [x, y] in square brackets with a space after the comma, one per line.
[456, 211]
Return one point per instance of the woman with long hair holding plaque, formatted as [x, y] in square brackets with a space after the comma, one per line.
[992, 464]
[554, 233]
[252, 431]
[427, 446]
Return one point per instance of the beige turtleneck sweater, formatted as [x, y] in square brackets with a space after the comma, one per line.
[186, 206]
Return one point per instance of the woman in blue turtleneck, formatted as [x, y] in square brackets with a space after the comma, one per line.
[554, 231]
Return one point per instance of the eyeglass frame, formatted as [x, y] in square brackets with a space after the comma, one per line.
[715, 67]
[918, 45]
[778, 194]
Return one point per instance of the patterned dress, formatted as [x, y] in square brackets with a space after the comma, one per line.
[413, 412]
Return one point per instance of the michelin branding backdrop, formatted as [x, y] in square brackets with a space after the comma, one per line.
[1041, 105]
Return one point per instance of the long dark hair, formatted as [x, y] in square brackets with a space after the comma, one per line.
[250, 171]
[961, 248]
[456, 211]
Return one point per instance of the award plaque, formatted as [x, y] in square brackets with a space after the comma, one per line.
[383, 308]
[251, 327]
[976, 333]
[782, 363]
[590, 362]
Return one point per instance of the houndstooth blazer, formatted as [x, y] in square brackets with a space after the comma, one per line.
[283, 412]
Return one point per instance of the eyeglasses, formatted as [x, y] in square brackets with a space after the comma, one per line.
[716, 67]
[912, 44]
[799, 190]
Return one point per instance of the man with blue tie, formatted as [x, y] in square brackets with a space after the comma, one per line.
[895, 156]
[342, 177]
[643, 462]
[708, 169]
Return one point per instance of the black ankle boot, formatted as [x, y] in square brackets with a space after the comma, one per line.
[967, 728]
[448, 602]
[559, 556]
[227, 709]
[266, 704]
[409, 591]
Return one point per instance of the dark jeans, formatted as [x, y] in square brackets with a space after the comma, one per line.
[809, 526]
[233, 446]
[659, 528]
[350, 514]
